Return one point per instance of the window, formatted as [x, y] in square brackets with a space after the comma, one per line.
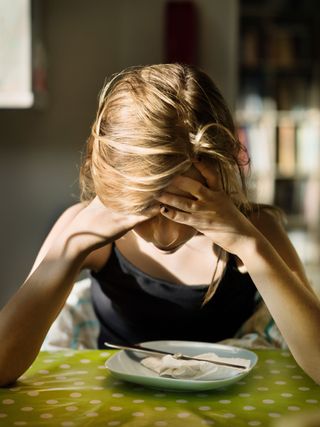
[15, 54]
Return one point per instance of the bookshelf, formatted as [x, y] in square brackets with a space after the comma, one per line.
[278, 112]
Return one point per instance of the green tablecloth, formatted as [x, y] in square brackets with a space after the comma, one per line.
[73, 388]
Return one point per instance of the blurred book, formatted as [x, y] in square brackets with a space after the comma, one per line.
[290, 195]
[286, 152]
[308, 145]
[250, 48]
[261, 146]
[311, 204]
[259, 136]
[280, 47]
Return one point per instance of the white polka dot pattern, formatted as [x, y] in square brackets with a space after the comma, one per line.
[74, 388]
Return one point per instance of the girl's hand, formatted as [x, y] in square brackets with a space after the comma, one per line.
[97, 225]
[208, 209]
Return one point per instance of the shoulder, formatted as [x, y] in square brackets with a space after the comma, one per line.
[271, 222]
[95, 260]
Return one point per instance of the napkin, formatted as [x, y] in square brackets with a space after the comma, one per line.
[168, 366]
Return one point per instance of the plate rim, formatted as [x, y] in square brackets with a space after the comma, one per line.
[181, 381]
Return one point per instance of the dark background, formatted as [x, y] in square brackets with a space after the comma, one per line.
[84, 42]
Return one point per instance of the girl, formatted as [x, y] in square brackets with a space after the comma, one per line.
[176, 249]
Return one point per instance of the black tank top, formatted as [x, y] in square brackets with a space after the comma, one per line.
[133, 306]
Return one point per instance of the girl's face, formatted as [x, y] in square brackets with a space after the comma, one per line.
[165, 234]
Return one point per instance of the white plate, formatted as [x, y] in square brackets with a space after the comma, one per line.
[126, 366]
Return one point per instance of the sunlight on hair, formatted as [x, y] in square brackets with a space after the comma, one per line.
[152, 122]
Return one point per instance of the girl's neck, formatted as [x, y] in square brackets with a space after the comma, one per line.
[192, 264]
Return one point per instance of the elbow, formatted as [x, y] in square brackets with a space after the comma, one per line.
[314, 368]
[314, 375]
[13, 364]
[6, 379]
[311, 367]
[8, 373]
[6, 382]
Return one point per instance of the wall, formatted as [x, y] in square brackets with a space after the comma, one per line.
[40, 150]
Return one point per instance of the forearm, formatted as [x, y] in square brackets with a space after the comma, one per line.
[295, 309]
[25, 320]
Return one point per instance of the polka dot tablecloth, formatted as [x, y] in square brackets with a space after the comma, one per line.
[73, 388]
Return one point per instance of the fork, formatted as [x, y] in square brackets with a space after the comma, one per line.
[142, 349]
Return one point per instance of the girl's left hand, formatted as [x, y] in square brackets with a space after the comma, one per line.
[210, 210]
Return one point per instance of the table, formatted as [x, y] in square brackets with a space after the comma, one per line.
[73, 388]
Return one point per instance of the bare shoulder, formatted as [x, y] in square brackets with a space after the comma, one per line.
[94, 261]
[270, 222]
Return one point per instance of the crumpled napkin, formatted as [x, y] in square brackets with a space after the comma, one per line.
[177, 368]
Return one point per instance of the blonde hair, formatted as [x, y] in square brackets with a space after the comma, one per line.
[151, 123]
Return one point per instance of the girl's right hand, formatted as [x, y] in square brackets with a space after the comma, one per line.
[96, 225]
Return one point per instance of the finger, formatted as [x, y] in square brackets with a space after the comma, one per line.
[176, 216]
[210, 173]
[151, 211]
[180, 217]
[134, 219]
[191, 186]
[178, 202]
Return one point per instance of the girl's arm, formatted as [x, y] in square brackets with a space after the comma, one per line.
[28, 315]
[276, 270]
[266, 252]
